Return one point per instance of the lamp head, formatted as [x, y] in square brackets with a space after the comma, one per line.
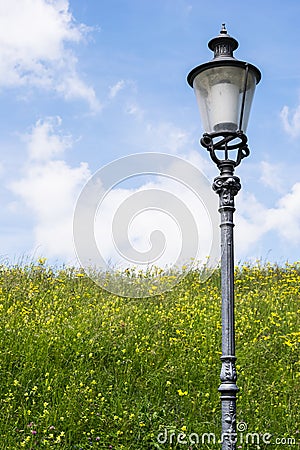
[224, 87]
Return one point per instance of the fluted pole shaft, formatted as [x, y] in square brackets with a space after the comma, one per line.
[227, 186]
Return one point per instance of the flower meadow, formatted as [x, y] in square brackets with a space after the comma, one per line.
[81, 368]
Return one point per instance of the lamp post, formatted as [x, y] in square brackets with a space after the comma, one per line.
[224, 89]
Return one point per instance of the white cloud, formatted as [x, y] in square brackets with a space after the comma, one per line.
[166, 137]
[34, 35]
[291, 125]
[133, 109]
[271, 176]
[286, 217]
[250, 223]
[49, 188]
[163, 205]
[113, 90]
[72, 88]
[254, 221]
[43, 143]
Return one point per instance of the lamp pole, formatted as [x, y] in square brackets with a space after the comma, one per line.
[224, 89]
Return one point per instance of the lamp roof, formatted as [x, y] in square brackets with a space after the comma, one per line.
[223, 45]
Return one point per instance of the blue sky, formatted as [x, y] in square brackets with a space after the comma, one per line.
[84, 82]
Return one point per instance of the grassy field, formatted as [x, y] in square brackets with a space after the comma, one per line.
[83, 369]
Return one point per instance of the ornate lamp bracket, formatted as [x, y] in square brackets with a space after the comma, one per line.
[227, 187]
[226, 141]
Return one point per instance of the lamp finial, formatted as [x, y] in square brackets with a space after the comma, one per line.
[223, 45]
[223, 30]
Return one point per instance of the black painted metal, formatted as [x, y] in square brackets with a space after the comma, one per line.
[226, 142]
[223, 47]
[227, 186]
[244, 96]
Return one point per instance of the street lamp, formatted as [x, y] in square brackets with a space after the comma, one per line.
[224, 89]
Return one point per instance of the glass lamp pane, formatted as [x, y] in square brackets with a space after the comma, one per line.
[219, 93]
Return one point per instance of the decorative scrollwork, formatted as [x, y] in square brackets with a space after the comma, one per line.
[228, 371]
[227, 188]
[226, 141]
[230, 418]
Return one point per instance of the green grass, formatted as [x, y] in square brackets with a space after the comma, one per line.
[83, 369]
